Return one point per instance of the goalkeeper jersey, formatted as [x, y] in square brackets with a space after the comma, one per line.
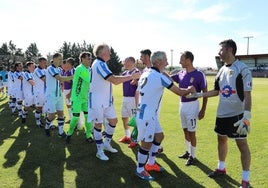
[81, 81]
[231, 82]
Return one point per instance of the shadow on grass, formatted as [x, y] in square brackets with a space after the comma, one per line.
[223, 181]
[118, 171]
[181, 179]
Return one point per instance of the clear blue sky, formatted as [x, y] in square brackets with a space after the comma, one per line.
[131, 25]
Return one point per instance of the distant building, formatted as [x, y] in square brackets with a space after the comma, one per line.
[257, 63]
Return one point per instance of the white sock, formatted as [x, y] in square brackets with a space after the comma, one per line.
[221, 165]
[245, 175]
[188, 146]
[193, 151]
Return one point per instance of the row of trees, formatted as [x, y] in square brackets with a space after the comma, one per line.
[10, 54]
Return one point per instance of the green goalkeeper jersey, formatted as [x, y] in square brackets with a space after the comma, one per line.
[81, 81]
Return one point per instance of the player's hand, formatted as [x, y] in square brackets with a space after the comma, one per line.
[194, 95]
[136, 75]
[243, 124]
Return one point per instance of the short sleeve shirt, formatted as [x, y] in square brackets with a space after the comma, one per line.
[81, 82]
[231, 82]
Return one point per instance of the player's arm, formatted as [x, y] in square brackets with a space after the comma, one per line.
[181, 91]
[63, 78]
[247, 100]
[120, 79]
[31, 81]
[202, 111]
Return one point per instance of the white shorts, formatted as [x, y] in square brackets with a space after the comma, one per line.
[128, 107]
[67, 101]
[53, 104]
[147, 129]
[189, 115]
[97, 115]
[28, 99]
[18, 95]
[39, 99]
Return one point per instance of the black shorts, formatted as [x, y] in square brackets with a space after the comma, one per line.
[225, 126]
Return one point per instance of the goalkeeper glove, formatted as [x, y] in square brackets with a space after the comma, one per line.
[243, 124]
[194, 95]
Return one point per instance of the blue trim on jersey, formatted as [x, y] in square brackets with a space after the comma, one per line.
[111, 97]
[165, 84]
[105, 72]
[141, 111]
[90, 100]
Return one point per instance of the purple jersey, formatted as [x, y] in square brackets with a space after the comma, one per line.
[195, 78]
[129, 90]
[68, 84]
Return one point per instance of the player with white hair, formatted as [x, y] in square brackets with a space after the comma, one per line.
[100, 105]
[150, 88]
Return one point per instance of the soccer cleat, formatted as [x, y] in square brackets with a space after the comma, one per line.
[132, 144]
[125, 140]
[186, 155]
[245, 184]
[90, 140]
[217, 173]
[110, 148]
[101, 155]
[144, 175]
[190, 161]
[62, 135]
[47, 131]
[68, 139]
[160, 149]
[155, 167]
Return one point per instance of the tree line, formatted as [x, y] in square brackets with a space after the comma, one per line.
[10, 54]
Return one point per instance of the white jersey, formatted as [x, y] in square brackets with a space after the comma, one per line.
[231, 82]
[27, 87]
[17, 81]
[40, 85]
[53, 85]
[151, 87]
[10, 83]
[100, 92]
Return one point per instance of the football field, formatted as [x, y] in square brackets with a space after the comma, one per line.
[30, 159]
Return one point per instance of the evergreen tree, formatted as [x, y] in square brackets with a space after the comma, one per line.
[114, 64]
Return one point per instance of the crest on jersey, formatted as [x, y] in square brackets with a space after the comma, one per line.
[191, 80]
[249, 84]
[227, 91]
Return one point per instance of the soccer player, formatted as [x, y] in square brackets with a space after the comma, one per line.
[189, 108]
[233, 84]
[18, 87]
[10, 91]
[100, 105]
[40, 89]
[129, 101]
[68, 70]
[151, 87]
[54, 98]
[28, 91]
[79, 96]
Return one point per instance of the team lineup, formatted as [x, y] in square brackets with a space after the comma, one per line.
[87, 92]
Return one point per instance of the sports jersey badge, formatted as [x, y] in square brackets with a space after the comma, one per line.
[192, 80]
